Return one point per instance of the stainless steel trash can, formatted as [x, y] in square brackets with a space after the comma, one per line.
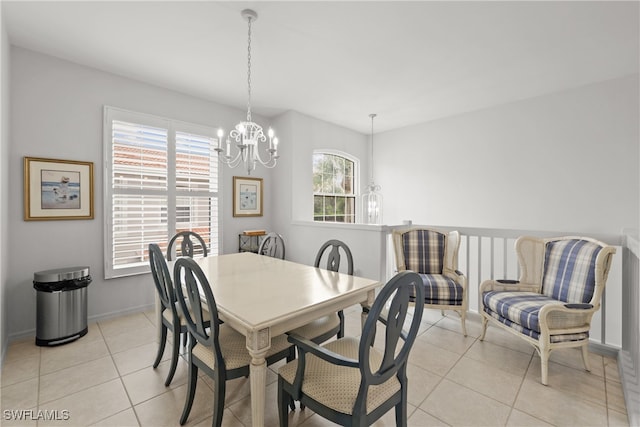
[61, 315]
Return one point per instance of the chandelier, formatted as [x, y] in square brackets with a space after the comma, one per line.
[372, 199]
[248, 135]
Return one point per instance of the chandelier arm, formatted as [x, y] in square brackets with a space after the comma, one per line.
[229, 161]
[259, 158]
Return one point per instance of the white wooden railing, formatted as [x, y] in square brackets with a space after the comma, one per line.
[489, 254]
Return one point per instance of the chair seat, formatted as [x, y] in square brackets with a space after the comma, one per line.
[337, 386]
[442, 290]
[169, 317]
[318, 327]
[234, 349]
[520, 311]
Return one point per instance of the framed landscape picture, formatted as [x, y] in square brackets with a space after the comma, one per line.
[247, 196]
[57, 189]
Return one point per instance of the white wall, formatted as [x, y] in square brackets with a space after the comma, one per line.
[567, 161]
[293, 203]
[4, 181]
[56, 112]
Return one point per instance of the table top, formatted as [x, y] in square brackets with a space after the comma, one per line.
[257, 291]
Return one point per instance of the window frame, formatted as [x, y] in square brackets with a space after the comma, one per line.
[172, 194]
[356, 183]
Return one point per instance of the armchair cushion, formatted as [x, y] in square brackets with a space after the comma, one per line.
[569, 270]
[520, 311]
[423, 251]
[442, 290]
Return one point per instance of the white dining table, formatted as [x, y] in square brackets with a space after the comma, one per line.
[262, 297]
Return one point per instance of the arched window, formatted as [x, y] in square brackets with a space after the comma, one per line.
[334, 187]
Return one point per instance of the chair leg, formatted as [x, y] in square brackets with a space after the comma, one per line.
[401, 414]
[544, 364]
[184, 339]
[174, 355]
[463, 318]
[220, 389]
[191, 392]
[585, 357]
[161, 345]
[341, 331]
[283, 403]
[485, 322]
[291, 357]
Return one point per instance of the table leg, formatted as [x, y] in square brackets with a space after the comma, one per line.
[371, 297]
[258, 344]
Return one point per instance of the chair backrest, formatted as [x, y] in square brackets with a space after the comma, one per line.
[187, 246]
[162, 278]
[420, 250]
[393, 300]
[272, 245]
[569, 269]
[190, 280]
[332, 249]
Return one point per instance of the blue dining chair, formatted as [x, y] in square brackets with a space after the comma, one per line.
[349, 381]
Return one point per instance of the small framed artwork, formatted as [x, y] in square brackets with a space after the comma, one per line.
[57, 189]
[247, 196]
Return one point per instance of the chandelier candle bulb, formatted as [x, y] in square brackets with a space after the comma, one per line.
[220, 135]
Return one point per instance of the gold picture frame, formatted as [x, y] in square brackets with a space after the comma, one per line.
[57, 189]
[247, 196]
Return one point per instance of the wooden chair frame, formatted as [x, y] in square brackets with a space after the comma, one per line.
[554, 319]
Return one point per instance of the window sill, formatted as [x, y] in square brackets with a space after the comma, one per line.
[341, 225]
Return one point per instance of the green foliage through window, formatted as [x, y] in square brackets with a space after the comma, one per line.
[333, 188]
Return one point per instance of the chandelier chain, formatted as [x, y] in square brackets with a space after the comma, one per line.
[249, 73]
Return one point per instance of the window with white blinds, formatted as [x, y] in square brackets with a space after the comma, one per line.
[161, 177]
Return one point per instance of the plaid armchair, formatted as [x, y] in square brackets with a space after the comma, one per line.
[551, 306]
[434, 256]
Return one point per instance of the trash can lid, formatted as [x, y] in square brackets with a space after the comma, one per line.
[60, 274]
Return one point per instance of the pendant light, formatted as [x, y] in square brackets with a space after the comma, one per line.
[372, 199]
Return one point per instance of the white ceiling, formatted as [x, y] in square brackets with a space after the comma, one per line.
[410, 62]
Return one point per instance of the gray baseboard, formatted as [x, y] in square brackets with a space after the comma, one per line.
[31, 333]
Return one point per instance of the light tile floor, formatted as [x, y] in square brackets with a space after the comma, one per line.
[106, 379]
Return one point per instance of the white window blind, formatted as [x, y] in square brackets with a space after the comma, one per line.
[161, 178]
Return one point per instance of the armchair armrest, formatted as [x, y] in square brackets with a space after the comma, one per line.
[307, 346]
[507, 285]
[565, 318]
[579, 306]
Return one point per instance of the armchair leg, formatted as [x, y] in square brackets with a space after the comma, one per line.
[585, 357]
[544, 365]
[463, 318]
[485, 322]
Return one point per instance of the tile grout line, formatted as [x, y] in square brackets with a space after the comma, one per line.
[120, 378]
